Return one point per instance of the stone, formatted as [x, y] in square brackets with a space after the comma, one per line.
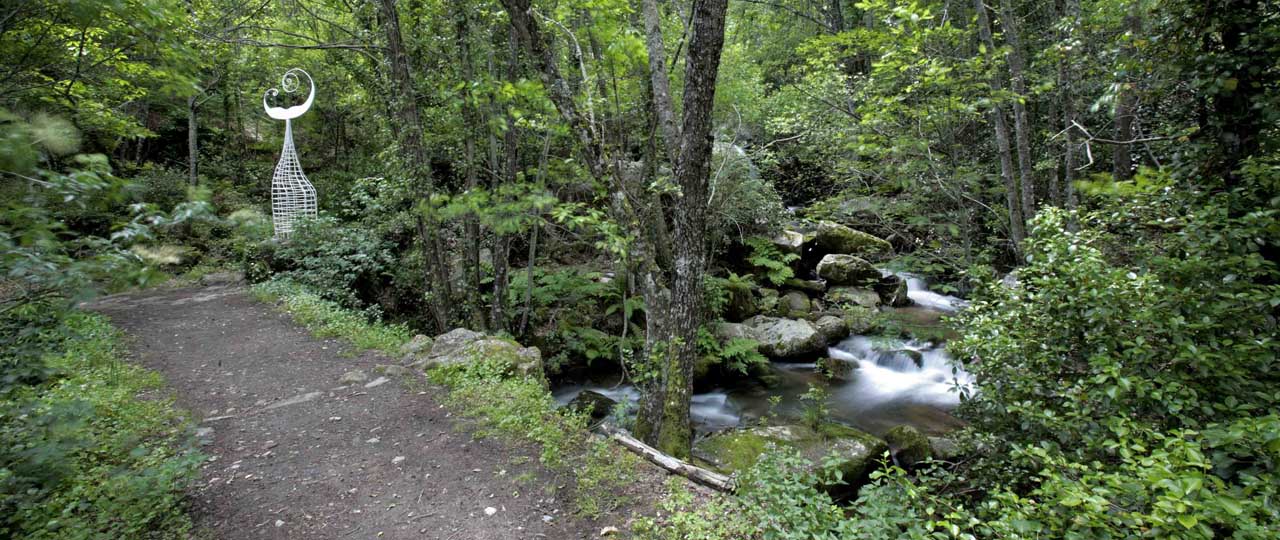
[832, 328]
[909, 446]
[489, 511]
[853, 296]
[785, 338]
[847, 270]
[794, 305]
[893, 291]
[741, 305]
[916, 357]
[418, 345]
[861, 320]
[788, 242]
[810, 286]
[205, 436]
[943, 448]
[393, 370]
[768, 300]
[856, 452]
[377, 382]
[461, 346]
[836, 369]
[353, 377]
[597, 405]
[835, 238]
[608, 531]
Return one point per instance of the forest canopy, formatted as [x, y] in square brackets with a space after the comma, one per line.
[1096, 182]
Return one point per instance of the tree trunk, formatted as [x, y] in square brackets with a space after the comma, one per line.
[419, 166]
[1017, 227]
[1021, 123]
[511, 166]
[1066, 76]
[673, 432]
[1126, 99]
[658, 80]
[192, 134]
[470, 224]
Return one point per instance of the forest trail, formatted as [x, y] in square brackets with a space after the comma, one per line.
[293, 453]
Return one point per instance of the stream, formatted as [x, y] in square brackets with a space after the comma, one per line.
[895, 381]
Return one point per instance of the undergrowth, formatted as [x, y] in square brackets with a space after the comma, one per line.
[90, 452]
[327, 319]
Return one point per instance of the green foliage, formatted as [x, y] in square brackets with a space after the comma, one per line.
[739, 355]
[815, 410]
[768, 259]
[576, 315]
[81, 456]
[344, 263]
[523, 409]
[326, 318]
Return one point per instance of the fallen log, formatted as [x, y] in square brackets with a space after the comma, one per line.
[693, 472]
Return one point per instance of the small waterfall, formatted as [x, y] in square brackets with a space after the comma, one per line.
[919, 293]
[895, 372]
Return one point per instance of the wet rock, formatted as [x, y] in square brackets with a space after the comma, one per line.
[943, 448]
[835, 238]
[353, 377]
[809, 286]
[597, 405]
[860, 320]
[909, 446]
[855, 450]
[847, 270]
[836, 369]
[795, 305]
[916, 357]
[451, 342]
[785, 338]
[832, 328]
[741, 305]
[893, 291]
[788, 242]
[853, 296]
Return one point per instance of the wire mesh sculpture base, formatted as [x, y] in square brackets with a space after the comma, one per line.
[292, 195]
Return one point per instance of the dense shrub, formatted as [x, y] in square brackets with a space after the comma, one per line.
[344, 263]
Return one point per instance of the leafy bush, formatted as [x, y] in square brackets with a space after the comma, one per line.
[81, 456]
[576, 315]
[772, 262]
[328, 319]
[346, 264]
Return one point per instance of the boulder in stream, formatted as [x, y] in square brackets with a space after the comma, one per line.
[840, 269]
[794, 304]
[598, 406]
[809, 286]
[893, 291]
[853, 296]
[836, 369]
[785, 338]
[833, 237]
[855, 450]
[789, 242]
[832, 328]
[909, 446]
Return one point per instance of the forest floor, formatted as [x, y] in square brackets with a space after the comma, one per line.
[294, 453]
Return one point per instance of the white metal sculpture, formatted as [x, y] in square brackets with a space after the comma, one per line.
[292, 195]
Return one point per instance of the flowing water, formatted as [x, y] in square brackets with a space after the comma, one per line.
[894, 382]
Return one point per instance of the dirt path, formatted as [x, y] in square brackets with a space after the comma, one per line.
[296, 454]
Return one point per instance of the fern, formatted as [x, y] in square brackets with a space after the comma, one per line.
[767, 257]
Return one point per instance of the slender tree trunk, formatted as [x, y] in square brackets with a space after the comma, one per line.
[511, 166]
[1017, 227]
[419, 166]
[1066, 74]
[661, 85]
[192, 134]
[1127, 99]
[1021, 123]
[470, 225]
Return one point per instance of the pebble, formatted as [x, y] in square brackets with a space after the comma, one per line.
[279, 522]
[489, 511]
[396, 460]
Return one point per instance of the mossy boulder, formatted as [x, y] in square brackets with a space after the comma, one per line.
[893, 291]
[741, 305]
[836, 369]
[856, 452]
[860, 320]
[789, 241]
[785, 338]
[909, 446]
[853, 296]
[596, 405]
[832, 328]
[768, 300]
[832, 237]
[416, 347]
[462, 346]
[809, 286]
[840, 269]
[795, 305]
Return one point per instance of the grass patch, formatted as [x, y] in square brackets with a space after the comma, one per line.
[327, 319]
[522, 409]
[92, 452]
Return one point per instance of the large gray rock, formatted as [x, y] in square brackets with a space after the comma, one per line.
[417, 346]
[794, 305]
[807, 285]
[835, 238]
[836, 369]
[461, 346]
[847, 270]
[785, 338]
[855, 452]
[788, 242]
[832, 328]
[853, 296]
[909, 446]
[596, 405]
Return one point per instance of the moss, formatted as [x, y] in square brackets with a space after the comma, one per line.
[909, 445]
[734, 451]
